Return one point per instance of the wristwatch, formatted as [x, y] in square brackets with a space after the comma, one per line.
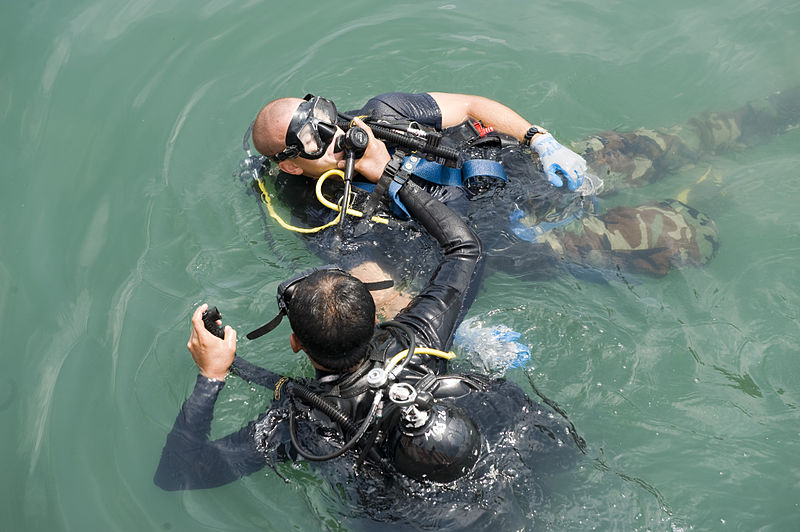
[534, 130]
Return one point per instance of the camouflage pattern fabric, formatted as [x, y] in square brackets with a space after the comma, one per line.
[650, 239]
[655, 237]
[644, 155]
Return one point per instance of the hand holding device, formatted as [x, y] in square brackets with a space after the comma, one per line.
[210, 318]
[213, 357]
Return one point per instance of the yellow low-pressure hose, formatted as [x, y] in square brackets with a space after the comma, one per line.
[322, 199]
[275, 216]
[419, 350]
[352, 212]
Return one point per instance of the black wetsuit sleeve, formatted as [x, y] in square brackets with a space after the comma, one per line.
[405, 106]
[254, 374]
[435, 312]
[190, 460]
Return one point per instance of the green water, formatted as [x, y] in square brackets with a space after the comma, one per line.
[121, 129]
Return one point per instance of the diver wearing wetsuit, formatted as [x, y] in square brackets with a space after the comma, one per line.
[190, 460]
[499, 446]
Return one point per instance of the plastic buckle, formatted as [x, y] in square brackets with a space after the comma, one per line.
[482, 131]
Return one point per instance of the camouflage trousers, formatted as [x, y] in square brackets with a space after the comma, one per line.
[650, 238]
[645, 155]
[658, 236]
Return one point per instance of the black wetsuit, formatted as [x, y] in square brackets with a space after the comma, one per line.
[191, 461]
[519, 432]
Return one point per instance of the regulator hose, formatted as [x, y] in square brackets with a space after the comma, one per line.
[338, 416]
[427, 145]
[410, 344]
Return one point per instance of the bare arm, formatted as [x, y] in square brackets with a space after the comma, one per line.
[458, 107]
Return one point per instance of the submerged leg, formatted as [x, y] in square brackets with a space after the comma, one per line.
[644, 155]
[650, 239]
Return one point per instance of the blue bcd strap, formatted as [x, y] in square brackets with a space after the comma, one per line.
[439, 174]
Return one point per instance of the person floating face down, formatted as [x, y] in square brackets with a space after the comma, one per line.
[435, 426]
[549, 202]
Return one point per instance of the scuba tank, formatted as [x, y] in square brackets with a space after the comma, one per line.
[432, 440]
[413, 424]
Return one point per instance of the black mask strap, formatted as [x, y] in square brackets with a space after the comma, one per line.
[274, 322]
[267, 327]
[379, 285]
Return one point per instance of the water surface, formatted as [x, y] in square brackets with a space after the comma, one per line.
[122, 126]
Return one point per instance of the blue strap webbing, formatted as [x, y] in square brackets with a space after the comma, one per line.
[532, 234]
[397, 205]
[476, 167]
[444, 175]
[440, 175]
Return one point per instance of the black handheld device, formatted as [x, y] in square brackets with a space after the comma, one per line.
[210, 317]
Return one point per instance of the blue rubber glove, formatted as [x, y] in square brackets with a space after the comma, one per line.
[559, 162]
[495, 347]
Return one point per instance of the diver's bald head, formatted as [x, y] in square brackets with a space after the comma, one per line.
[269, 129]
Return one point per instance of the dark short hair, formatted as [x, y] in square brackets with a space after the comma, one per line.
[333, 315]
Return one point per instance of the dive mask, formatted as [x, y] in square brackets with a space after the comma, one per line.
[287, 288]
[311, 130]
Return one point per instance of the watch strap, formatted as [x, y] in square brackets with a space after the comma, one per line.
[531, 132]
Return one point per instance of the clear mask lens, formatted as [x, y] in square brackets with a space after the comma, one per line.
[312, 128]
